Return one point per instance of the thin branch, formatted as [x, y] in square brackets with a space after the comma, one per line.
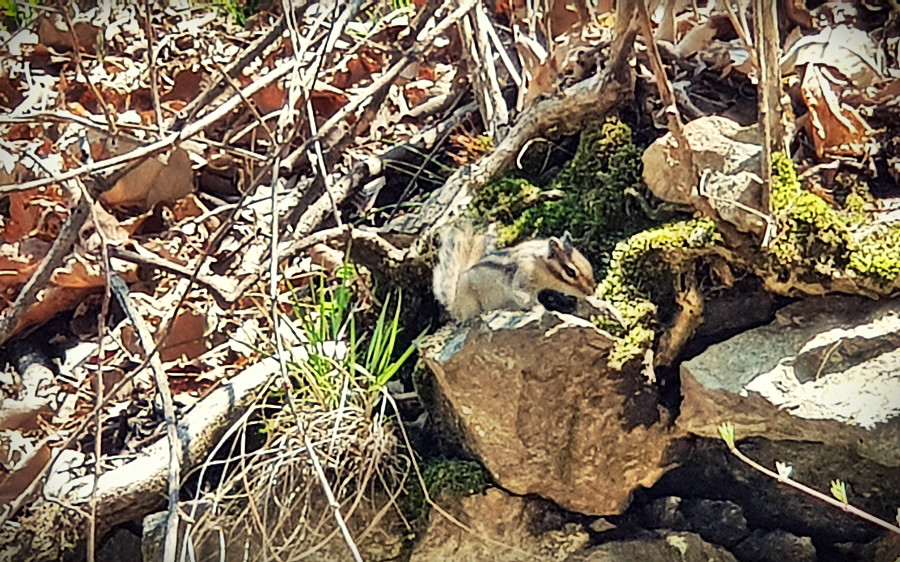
[120, 290]
[154, 72]
[166, 142]
[770, 111]
[662, 81]
[384, 81]
[814, 493]
[76, 51]
[68, 235]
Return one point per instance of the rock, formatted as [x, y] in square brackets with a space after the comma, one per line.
[775, 546]
[817, 389]
[885, 548]
[703, 469]
[532, 397]
[727, 155]
[664, 513]
[669, 547]
[717, 521]
[119, 544]
[823, 371]
[500, 529]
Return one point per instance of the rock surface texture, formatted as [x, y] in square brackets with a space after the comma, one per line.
[728, 155]
[668, 547]
[535, 401]
[826, 370]
[500, 529]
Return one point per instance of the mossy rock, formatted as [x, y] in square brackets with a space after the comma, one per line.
[640, 281]
[824, 242]
[455, 477]
[589, 197]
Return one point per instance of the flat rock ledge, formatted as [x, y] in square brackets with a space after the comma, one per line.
[827, 370]
[534, 399]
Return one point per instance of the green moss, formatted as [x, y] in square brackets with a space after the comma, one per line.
[444, 476]
[639, 281]
[810, 229]
[816, 239]
[587, 198]
[877, 256]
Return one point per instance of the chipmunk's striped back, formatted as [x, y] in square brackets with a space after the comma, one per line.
[460, 248]
[472, 277]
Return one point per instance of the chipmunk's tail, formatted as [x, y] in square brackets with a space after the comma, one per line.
[460, 248]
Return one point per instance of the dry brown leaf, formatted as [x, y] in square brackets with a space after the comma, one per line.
[35, 213]
[187, 85]
[14, 483]
[18, 260]
[326, 104]
[187, 339]
[836, 129]
[269, 99]
[50, 302]
[165, 178]
[10, 91]
[60, 39]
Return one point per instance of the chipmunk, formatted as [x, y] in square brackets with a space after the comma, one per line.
[472, 276]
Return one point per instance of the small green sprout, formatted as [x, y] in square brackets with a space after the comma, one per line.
[726, 432]
[784, 470]
[839, 490]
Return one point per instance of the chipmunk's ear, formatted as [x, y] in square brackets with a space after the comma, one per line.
[567, 240]
[559, 248]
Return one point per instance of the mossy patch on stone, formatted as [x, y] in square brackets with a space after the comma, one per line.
[640, 280]
[457, 477]
[817, 239]
[588, 197]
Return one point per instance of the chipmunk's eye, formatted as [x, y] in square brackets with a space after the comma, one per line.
[567, 269]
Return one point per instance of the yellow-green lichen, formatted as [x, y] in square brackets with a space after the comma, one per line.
[815, 238]
[639, 281]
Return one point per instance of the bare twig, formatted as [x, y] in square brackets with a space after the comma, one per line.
[662, 81]
[247, 101]
[235, 68]
[384, 81]
[166, 142]
[154, 72]
[739, 23]
[68, 235]
[447, 125]
[98, 411]
[76, 51]
[770, 111]
[152, 260]
[814, 493]
[120, 290]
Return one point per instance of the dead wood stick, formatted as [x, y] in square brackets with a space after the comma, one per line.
[150, 259]
[586, 99]
[383, 81]
[234, 69]
[154, 71]
[120, 290]
[166, 142]
[76, 52]
[68, 234]
[770, 111]
[662, 81]
[372, 240]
